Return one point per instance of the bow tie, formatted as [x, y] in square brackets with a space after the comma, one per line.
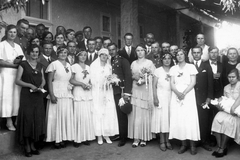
[215, 63]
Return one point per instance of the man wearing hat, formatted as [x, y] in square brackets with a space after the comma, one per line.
[121, 67]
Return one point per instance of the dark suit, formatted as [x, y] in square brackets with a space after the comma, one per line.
[81, 45]
[45, 64]
[131, 58]
[204, 90]
[89, 62]
[121, 67]
[217, 92]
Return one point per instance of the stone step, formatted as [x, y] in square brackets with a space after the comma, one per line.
[8, 142]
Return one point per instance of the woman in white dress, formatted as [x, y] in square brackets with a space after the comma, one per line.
[83, 103]
[227, 125]
[184, 123]
[104, 110]
[60, 124]
[10, 58]
[162, 96]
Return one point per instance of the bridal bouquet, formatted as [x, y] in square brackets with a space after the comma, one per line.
[226, 103]
[145, 76]
[113, 79]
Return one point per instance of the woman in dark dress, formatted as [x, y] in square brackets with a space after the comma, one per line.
[31, 111]
[232, 56]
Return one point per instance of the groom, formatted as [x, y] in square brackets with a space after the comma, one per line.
[121, 67]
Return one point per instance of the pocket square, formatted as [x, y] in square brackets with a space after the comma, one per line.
[204, 71]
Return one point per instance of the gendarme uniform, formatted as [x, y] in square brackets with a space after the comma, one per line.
[121, 67]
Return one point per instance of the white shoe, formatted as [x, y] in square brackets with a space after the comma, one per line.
[100, 140]
[11, 127]
[107, 139]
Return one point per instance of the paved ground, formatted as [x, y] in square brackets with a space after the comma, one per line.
[112, 152]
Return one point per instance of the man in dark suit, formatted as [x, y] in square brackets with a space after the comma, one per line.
[87, 32]
[92, 54]
[149, 39]
[204, 93]
[121, 67]
[45, 59]
[72, 51]
[128, 52]
[217, 83]
[155, 55]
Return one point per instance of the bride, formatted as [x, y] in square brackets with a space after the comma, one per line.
[104, 112]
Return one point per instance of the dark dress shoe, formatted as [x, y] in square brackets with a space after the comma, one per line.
[86, 143]
[28, 154]
[219, 155]
[214, 153]
[121, 143]
[35, 152]
[169, 146]
[63, 145]
[182, 149]
[162, 147]
[76, 145]
[57, 146]
[193, 150]
[204, 146]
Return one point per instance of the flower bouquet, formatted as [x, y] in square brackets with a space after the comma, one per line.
[145, 76]
[113, 79]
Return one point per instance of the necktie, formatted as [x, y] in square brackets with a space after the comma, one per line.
[128, 51]
[196, 64]
[214, 62]
[49, 60]
[90, 58]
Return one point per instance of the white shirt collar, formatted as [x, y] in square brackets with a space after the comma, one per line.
[46, 57]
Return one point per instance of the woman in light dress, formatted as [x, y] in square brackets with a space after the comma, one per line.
[83, 103]
[226, 126]
[162, 96]
[104, 110]
[60, 124]
[139, 120]
[184, 124]
[10, 57]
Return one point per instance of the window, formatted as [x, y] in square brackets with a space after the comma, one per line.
[37, 13]
[36, 9]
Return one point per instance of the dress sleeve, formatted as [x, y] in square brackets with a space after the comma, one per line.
[1, 51]
[73, 68]
[172, 71]
[51, 67]
[192, 69]
[156, 72]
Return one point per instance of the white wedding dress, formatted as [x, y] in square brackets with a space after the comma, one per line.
[104, 110]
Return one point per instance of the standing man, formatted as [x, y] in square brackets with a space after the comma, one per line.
[87, 32]
[106, 42]
[92, 54]
[217, 83]
[165, 47]
[72, 51]
[45, 59]
[40, 29]
[204, 93]
[200, 39]
[99, 43]
[149, 39]
[173, 51]
[128, 51]
[155, 55]
[121, 67]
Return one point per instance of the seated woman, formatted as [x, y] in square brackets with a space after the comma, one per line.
[225, 125]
